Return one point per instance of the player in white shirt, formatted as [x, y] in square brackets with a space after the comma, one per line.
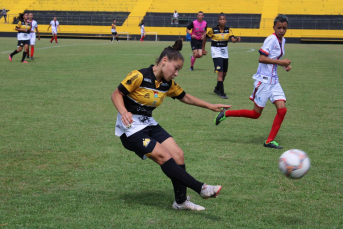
[34, 26]
[175, 18]
[142, 32]
[54, 25]
[266, 85]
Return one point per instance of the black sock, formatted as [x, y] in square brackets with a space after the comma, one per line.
[180, 189]
[24, 55]
[117, 38]
[173, 171]
[220, 86]
[13, 53]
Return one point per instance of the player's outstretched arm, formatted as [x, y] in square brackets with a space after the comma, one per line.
[191, 100]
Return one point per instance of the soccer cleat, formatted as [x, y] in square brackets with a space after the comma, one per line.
[187, 205]
[118, 41]
[32, 58]
[25, 62]
[191, 68]
[217, 91]
[224, 96]
[273, 144]
[210, 191]
[10, 57]
[220, 117]
[51, 42]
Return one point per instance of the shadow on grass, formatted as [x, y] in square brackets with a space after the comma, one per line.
[161, 200]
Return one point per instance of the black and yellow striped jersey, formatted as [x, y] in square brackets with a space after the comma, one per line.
[143, 93]
[219, 38]
[24, 25]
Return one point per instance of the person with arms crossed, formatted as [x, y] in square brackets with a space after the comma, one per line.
[34, 25]
[266, 85]
[198, 35]
[142, 32]
[54, 25]
[175, 18]
[220, 36]
[114, 31]
[23, 27]
[135, 98]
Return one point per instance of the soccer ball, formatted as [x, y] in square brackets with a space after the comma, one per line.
[294, 163]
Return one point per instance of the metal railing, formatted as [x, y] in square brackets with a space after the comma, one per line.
[159, 21]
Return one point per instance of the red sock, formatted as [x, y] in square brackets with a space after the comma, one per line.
[32, 50]
[52, 39]
[242, 113]
[280, 115]
[56, 39]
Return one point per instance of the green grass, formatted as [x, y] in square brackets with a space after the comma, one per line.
[61, 166]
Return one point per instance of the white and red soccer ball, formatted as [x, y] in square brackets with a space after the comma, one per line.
[294, 163]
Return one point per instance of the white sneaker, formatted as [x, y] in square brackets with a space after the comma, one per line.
[209, 191]
[187, 205]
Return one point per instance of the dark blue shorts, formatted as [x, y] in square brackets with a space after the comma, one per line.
[144, 141]
[196, 44]
[220, 64]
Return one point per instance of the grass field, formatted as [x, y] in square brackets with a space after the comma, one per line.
[61, 166]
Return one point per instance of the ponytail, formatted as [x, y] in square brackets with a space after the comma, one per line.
[172, 53]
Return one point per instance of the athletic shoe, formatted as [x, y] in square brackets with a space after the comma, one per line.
[28, 57]
[51, 42]
[273, 144]
[187, 205]
[209, 191]
[224, 96]
[32, 58]
[217, 91]
[111, 41]
[191, 68]
[118, 41]
[25, 62]
[10, 57]
[220, 117]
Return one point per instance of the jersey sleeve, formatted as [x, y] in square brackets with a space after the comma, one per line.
[210, 32]
[267, 46]
[230, 33]
[132, 81]
[18, 25]
[190, 26]
[175, 91]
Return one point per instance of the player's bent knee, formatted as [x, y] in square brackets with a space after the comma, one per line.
[159, 155]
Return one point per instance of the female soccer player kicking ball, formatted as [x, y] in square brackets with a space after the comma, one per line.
[267, 84]
[135, 99]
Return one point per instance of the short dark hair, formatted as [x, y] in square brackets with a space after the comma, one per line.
[200, 12]
[172, 53]
[221, 15]
[281, 18]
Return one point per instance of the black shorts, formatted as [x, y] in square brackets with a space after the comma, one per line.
[21, 43]
[144, 141]
[220, 64]
[114, 33]
[196, 44]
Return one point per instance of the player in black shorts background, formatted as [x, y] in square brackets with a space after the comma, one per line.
[23, 27]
